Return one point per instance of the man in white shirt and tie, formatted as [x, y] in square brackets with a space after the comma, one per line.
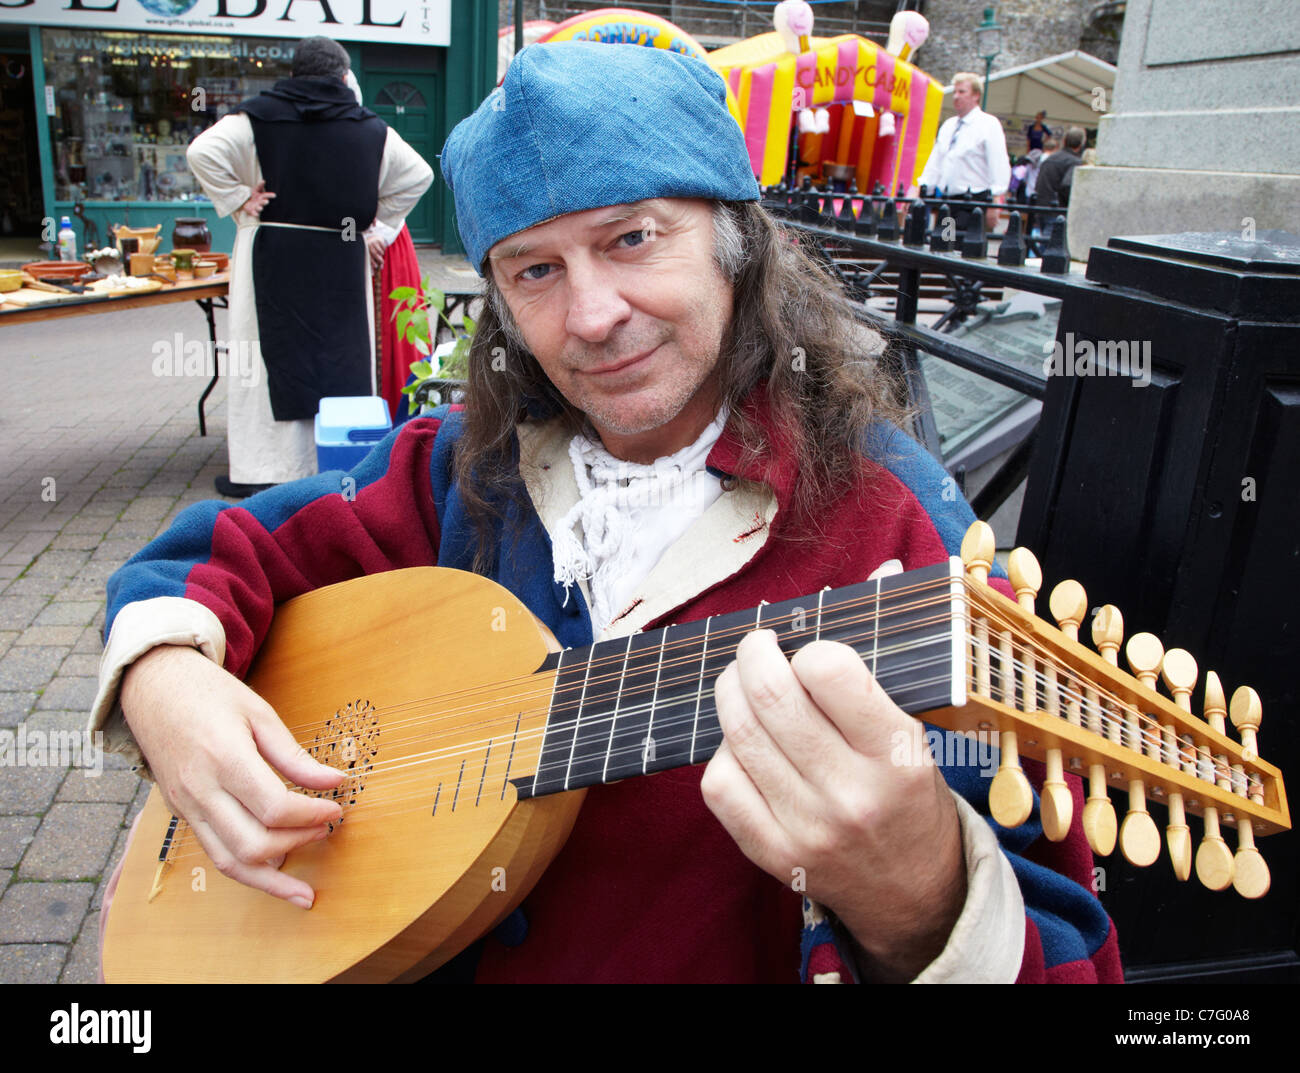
[970, 153]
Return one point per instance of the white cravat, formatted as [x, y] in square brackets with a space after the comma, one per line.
[629, 515]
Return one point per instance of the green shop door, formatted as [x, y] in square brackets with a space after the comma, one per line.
[408, 102]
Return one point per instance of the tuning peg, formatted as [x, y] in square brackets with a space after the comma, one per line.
[1250, 876]
[1247, 713]
[1011, 799]
[1099, 822]
[1214, 863]
[1026, 577]
[1056, 804]
[1139, 838]
[1069, 604]
[977, 550]
[978, 547]
[1108, 632]
[1178, 669]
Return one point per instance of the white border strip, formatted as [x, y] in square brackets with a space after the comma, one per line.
[960, 630]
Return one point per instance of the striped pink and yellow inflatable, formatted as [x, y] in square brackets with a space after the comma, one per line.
[772, 84]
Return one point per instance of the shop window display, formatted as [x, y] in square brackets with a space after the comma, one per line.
[127, 105]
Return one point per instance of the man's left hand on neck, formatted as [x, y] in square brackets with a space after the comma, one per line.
[822, 782]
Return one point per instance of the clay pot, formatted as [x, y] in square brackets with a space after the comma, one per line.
[191, 233]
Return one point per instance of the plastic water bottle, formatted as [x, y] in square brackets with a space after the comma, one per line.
[67, 241]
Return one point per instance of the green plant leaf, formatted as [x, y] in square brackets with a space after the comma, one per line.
[471, 325]
[437, 300]
[456, 364]
[402, 294]
[422, 369]
[403, 319]
[421, 345]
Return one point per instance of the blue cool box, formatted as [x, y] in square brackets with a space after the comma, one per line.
[346, 429]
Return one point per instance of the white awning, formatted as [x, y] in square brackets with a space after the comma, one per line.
[1064, 86]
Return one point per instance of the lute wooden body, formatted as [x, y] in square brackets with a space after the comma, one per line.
[400, 883]
[469, 737]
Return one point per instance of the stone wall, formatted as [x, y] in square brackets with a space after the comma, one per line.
[1031, 30]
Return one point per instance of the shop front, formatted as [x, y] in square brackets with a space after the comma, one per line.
[116, 96]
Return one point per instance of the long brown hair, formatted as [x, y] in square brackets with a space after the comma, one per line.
[791, 326]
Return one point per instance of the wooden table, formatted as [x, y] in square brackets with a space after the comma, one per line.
[209, 294]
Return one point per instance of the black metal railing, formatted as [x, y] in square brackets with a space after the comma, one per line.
[877, 250]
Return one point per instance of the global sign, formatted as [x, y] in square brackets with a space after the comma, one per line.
[419, 22]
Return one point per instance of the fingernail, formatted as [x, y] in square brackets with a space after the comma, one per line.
[321, 834]
[301, 902]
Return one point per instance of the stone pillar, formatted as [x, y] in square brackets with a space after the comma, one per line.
[1204, 128]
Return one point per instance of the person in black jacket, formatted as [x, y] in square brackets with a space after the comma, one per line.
[1056, 171]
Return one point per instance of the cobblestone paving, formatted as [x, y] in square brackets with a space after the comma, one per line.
[97, 456]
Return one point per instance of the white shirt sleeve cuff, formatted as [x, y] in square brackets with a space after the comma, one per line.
[139, 627]
[988, 940]
[383, 231]
[229, 204]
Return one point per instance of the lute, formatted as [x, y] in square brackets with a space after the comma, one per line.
[455, 803]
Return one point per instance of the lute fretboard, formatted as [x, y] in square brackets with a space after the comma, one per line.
[641, 704]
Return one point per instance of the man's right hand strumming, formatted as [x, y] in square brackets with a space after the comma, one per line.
[214, 747]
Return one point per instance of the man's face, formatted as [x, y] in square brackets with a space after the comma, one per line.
[964, 97]
[625, 311]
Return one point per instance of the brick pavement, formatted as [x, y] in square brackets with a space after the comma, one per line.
[97, 456]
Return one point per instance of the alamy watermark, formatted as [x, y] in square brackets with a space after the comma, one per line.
[951, 748]
[75, 1025]
[179, 356]
[1130, 358]
[25, 747]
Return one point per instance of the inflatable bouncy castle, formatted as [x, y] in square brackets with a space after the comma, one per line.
[864, 113]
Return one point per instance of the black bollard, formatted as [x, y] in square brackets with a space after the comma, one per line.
[808, 205]
[826, 212]
[944, 225]
[887, 224]
[974, 246]
[1012, 250]
[865, 225]
[844, 218]
[1056, 254]
[918, 216]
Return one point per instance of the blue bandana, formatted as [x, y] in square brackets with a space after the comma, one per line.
[578, 125]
